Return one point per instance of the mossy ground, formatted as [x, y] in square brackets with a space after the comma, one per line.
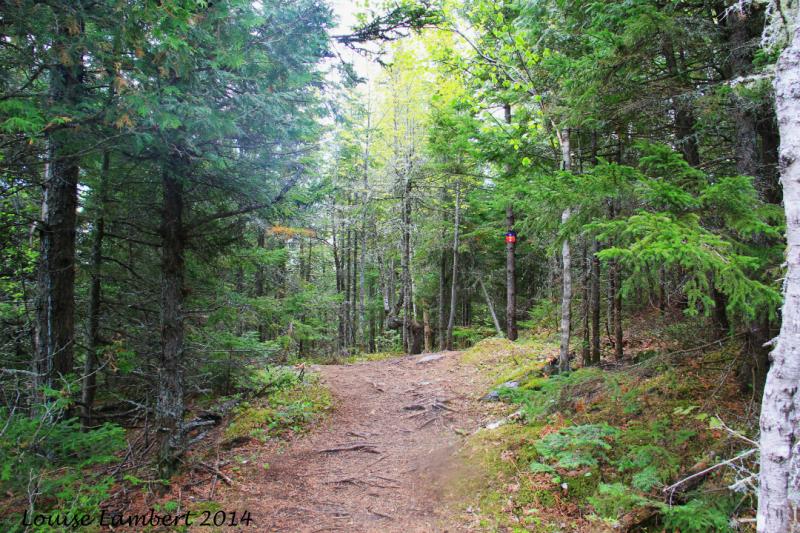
[502, 360]
[377, 356]
[289, 408]
[595, 447]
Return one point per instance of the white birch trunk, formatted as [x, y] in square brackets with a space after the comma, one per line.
[779, 481]
[454, 285]
[566, 267]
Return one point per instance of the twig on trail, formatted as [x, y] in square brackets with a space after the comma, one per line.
[377, 388]
[434, 404]
[376, 513]
[360, 482]
[382, 457]
[440, 404]
[194, 483]
[215, 470]
[431, 419]
[363, 446]
[354, 434]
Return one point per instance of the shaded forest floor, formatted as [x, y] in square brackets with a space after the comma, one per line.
[380, 462]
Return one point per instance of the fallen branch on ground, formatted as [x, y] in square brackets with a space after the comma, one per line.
[369, 448]
[694, 479]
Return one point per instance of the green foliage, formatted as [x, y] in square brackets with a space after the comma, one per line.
[464, 337]
[697, 516]
[55, 458]
[652, 465]
[615, 499]
[286, 403]
[267, 380]
[677, 229]
[578, 446]
[545, 394]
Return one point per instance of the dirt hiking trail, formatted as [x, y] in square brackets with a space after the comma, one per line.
[380, 461]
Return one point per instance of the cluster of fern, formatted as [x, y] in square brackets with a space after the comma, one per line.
[619, 467]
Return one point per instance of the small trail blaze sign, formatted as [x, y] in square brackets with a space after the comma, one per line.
[511, 236]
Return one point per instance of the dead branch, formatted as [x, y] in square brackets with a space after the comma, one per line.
[695, 478]
[363, 446]
[215, 470]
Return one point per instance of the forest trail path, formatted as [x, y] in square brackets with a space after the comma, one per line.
[391, 438]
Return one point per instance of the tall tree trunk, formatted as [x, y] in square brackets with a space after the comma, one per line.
[566, 267]
[744, 119]
[586, 353]
[618, 348]
[779, 483]
[341, 339]
[408, 317]
[89, 386]
[259, 281]
[768, 157]
[511, 264]
[511, 279]
[169, 402]
[348, 324]
[55, 324]
[454, 280]
[362, 309]
[491, 308]
[594, 281]
[427, 331]
[595, 303]
[372, 319]
[442, 292]
[355, 328]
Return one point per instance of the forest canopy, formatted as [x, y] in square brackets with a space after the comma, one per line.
[192, 192]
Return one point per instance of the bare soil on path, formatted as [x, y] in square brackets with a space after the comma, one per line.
[380, 462]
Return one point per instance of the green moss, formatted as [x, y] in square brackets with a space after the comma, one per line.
[209, 506]
[288, 409]
[248, 420]
[534, 383]
[582, 485]
[503, 360]
[613, 438]
[377, 356]
[531, 494]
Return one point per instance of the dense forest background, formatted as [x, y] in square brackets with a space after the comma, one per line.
[192, 190]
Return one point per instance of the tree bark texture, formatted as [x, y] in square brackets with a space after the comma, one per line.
[779, 477]
[454, 280]
[566, 268]
[169, 401]
[55, 324]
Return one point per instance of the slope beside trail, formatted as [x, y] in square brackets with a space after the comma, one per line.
[383, 458]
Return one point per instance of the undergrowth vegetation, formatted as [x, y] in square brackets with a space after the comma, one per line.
[286, 401]
[602, 449]
[49, 463]
[51, 466]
